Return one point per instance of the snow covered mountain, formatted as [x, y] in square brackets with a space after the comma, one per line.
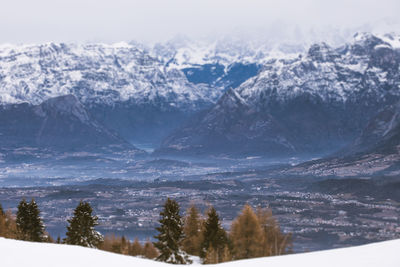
[317, 102]
[43, 255]
[121, 85]
[272, 103]
[94, 73]
[225, 62]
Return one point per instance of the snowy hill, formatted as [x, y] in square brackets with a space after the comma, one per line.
[20, 253]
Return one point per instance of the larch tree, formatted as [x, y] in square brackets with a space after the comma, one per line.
[149, 251]
[193, 232]
[124, 245]
[3, 223]
[275, 242]
[80, 230]
[171, 235]
[135, 249]
[215, 239]
[247, 235]
[8, 227]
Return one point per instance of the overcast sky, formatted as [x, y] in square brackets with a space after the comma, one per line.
[27, 21]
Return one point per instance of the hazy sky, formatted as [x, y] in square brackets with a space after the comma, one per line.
[30, 21]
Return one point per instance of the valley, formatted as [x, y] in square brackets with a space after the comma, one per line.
[318, 213]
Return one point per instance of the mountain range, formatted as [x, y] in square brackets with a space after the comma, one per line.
[219, 100]
[314, 103]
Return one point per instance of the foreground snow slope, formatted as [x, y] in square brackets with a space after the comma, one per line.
[20, 253]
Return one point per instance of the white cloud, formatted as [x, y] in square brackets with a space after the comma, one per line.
[153, 20]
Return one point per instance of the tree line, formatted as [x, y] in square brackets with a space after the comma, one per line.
[253, 233]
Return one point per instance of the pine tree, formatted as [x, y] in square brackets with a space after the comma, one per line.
[247, 235]
[37, 232]
[23, 220]
[81, 227]
[29, 224]
[192, 230]
[170, 235]
[214, 236]
[1, 210]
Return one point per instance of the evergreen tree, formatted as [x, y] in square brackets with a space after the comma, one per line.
[170, 235]
[23, 220]
[214, 237]
[1, 210]
[29, 224]
[36, 231]
[192, 230]
[247, 235]
[81, 227]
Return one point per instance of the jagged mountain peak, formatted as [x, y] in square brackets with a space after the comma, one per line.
[322, 52]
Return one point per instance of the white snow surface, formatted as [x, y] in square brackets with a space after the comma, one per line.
[21, 253]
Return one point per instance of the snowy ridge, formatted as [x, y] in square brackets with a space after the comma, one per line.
[110, 73]
[43, 255]
[332, 74]
[95, 73]
[183, 53]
